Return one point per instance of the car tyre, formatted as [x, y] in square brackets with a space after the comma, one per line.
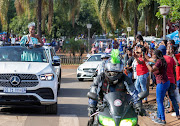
[80, 79]
[51, 109]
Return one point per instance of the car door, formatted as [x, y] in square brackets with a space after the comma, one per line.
[55, 68]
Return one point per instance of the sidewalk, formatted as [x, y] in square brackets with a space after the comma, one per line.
[146, 121]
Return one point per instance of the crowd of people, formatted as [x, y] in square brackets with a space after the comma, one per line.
[149, 65]
[107, 47]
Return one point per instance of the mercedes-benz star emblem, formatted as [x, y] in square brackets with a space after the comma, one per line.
[15, 80]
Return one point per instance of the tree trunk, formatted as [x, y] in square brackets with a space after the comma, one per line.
[135, 24]
[50, 16]
[39, 18]
[146, 32]
[43, 26]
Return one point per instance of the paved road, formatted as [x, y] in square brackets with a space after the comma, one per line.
[72, 107]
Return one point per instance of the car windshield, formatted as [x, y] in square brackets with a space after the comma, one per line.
[22, 54]
[94, 58]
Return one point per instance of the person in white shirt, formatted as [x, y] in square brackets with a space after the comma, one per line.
[13, 40]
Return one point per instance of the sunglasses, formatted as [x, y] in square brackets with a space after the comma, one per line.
[138, 52]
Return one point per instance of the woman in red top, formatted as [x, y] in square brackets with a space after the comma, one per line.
[142, 73]
[159, 70]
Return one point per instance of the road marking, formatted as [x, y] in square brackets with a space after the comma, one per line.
[12, 120]
[75, 100]
[68, 120]
[68, 74]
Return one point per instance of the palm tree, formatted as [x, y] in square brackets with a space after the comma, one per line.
[39, 17]
[41, 9]
[4, 6]
[108, 11]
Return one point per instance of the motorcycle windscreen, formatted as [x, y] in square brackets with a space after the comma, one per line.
[118, 102]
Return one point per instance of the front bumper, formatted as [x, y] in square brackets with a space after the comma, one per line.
[44, 93]
[42, 96]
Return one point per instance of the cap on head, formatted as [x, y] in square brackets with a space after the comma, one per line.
[32, 24]
[162, 48]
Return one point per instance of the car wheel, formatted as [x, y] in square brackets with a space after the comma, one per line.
[80, 79]
[51, 109]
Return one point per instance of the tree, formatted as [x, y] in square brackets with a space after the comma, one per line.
[4, 15]
[174, 11]
[108, 11]
[39, 18]
[74, 46]
[148, 16]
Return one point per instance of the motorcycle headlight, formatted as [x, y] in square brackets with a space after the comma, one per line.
[80, 69]
[106, 121]
[128, 122]
[47, 77]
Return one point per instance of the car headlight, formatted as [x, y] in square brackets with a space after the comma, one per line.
[46, 77]
[106, 121]
[80, 69]
[128, 122]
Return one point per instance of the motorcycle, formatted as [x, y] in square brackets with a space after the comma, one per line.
[115, 110]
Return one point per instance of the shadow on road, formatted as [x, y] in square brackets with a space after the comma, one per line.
[23, 110]
[74, 80]
[68, 80]
[73, 109]
[72, 92]
[63, 109]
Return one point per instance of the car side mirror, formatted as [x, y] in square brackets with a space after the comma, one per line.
[56, 61]
[92, 96]
[143, 95]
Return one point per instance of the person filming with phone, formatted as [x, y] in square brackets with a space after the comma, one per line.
[141, 69]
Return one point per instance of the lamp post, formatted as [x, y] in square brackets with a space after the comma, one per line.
[89, 27]
[167, 27]
[164, 10]
[128, 30]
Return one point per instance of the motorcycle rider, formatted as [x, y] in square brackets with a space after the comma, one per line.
[111, 80]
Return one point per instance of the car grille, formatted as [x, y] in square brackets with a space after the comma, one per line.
[22, 76]
[45, 93]
[27, 80]
[89, 70]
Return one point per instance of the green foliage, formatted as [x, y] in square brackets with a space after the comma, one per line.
[174, 14]
[70, 17]
[75, 46]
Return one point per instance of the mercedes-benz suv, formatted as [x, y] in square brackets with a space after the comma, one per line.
[29, 76]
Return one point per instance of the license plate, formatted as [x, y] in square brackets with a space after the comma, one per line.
[14, 90]
[89, 74]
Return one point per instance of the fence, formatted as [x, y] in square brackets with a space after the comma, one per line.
[71, 60]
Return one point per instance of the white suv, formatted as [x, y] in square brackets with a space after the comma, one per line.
[29, 76]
